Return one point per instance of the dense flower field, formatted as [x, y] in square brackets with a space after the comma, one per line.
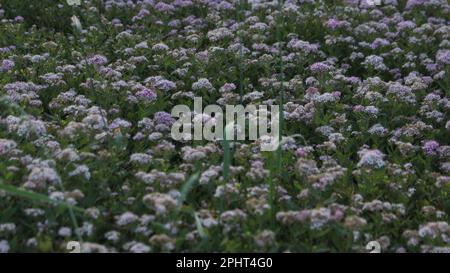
[86, 153]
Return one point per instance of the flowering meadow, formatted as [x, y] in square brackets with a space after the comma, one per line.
[86, 153]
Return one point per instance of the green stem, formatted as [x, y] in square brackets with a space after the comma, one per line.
[281, 96]
[241, 53]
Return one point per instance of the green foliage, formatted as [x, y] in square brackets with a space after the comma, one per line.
[52, 14]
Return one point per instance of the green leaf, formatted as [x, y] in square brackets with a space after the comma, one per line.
[37, 197]
[187, 187]
[226, 154]
[200, 229]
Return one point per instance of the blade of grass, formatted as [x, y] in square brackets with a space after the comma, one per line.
[37, 197]
[278, 168]
[271, 198]
[227, 152]
[187, 187]
[229, 132]
[73, 219]
[200, 229]
[281, 97]
[241, 53]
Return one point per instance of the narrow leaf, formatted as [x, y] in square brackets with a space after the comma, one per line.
[35, 196]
